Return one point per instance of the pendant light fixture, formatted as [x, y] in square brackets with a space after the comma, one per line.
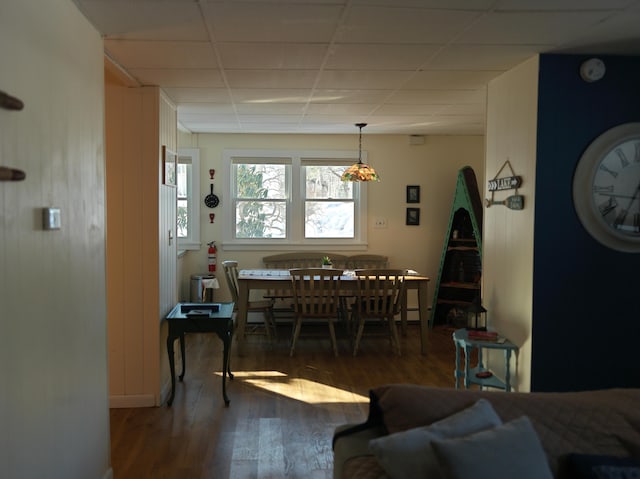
[360, 171]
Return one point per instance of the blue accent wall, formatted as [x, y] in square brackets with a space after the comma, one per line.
[586, 297]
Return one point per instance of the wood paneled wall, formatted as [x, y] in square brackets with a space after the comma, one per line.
[141, 264]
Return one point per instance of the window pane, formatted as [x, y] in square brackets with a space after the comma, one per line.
[182, 181]
[324, 182]
[329, 219]
[261, 181]
[261, 219]
[183, 219]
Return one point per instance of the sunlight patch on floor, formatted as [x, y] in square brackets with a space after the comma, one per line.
[300, 389]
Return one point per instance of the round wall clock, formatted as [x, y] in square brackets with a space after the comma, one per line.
[606, 188]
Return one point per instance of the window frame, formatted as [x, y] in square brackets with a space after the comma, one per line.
[295, 201]
[191, 242]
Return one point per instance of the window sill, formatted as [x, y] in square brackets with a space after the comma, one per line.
[189, 245]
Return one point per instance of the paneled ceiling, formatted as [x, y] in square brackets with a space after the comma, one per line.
[320, 66]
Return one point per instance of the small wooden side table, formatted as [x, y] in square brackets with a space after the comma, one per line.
[210, 318]
[469, 374]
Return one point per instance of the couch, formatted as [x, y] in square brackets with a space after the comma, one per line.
[574, 429]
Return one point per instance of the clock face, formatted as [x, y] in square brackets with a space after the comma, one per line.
[606, 188]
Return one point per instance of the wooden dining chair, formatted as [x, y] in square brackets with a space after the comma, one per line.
[316, 297]
[265, 306]
[379, 295]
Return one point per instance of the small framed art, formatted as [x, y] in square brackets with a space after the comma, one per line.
[413, 194]
[413, 216]
[169, 166]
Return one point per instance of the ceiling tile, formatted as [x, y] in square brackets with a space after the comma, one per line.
[321, 95]
[146, 20]
[484, 57]
[371, 24]
[379, 57]
[213, 109]
[438, 97]
[271, 78]
[281, 22]
[206, 95]
[279, 56]
[165, 54]
[340, 109]
[375, 80]
[529, 28]
[270, 108]
[399, 109]
[178, 77]
[450, 80]
[403, 66]
[275, 95]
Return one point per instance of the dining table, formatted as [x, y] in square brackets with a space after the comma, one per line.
[274, 279]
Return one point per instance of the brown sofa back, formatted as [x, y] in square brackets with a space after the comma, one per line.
[605, 422]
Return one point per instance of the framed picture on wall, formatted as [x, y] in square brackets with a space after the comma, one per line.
[169, 159]
[413, 216]
[413, 194]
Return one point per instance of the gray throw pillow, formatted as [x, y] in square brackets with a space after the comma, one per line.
[409, 454]
[512, 450]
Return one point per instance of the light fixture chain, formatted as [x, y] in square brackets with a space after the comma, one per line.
[360, 146]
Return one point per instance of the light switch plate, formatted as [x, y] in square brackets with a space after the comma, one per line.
[380, 222]
[51, 218]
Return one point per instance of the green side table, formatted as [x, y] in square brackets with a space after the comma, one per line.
[468, 374]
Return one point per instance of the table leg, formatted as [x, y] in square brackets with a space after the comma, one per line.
[241, 317]
[403, 313]
[457, 372]
[507, 375]
[423, 312]
[480, 364]
[226, 337]
[467, 353]
[184, 367]
[172, 367]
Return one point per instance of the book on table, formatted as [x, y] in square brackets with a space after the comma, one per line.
[482, 335]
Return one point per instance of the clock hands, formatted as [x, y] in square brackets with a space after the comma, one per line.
[620, 218]
[619, 196]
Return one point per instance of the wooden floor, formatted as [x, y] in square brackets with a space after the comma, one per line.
[283, 410]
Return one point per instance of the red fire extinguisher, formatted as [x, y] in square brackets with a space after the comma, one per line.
[211, 255]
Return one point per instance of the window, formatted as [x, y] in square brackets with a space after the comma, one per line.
[188, 208]
[293, 198]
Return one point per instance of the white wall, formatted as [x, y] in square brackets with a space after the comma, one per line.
[433, 165]
[508, 235]
[54, 420]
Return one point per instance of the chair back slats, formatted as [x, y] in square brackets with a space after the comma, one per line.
[369, 261]
[298, 260]
[303, 259]
[316, 291]
[231, 273]
[379, 295]
[379, 292]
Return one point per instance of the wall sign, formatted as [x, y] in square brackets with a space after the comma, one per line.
[513, 182]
